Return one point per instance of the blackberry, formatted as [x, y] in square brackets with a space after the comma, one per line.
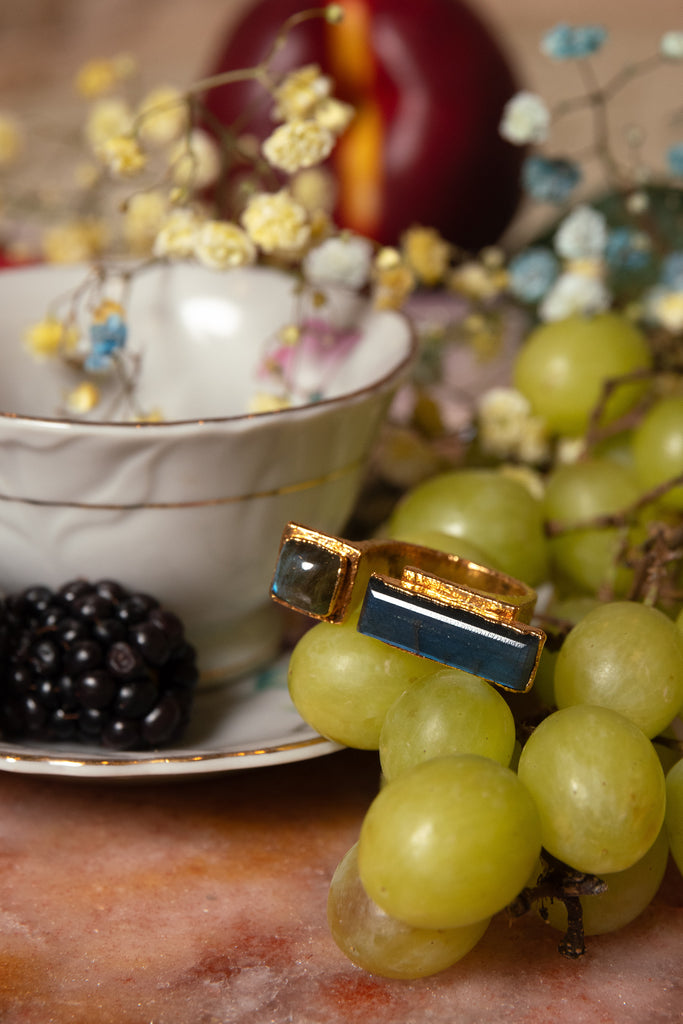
[95, 662]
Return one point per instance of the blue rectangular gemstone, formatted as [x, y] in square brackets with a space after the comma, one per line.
[450, 635]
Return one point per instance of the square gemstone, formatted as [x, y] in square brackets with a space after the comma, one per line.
[450, 635]
[307, 577]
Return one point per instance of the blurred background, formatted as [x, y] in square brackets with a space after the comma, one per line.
[44, 42]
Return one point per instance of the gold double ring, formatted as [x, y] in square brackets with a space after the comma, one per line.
[431, 603]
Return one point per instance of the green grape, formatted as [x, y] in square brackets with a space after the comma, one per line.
[343, 683]
[625, 656]
[568, 609]
[449, 843]
[381, 944]
[598, 786]
[483, 506]
[628, 893]
[674, 812]
[658, 448]
[617, 448]
[447, 542]
[563, 366]
[575, 494]
[449, 712]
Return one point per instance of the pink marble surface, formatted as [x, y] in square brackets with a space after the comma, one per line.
[204, 902]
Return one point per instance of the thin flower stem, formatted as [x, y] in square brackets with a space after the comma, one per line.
[260, 71]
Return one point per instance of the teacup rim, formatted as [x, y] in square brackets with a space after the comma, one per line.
[294, 411]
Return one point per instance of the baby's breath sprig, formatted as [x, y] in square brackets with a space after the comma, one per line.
[170, 150]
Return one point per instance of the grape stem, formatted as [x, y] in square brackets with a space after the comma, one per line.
[624, 517]
[558, 881]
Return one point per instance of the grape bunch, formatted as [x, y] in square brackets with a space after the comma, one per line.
[565, 802]
[93, 662]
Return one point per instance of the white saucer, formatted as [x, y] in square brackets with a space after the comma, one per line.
[247, 724]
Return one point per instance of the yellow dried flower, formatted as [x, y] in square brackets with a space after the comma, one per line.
[334, 14]
[262, 401]
[321, 227]
[315, 189]
[50, 337]
[107, 119]
[593, 268]
[300, 92]
[154, 415]
[427, 253]
[143, 217]
[176, 237]
[220, 245]
[276, 223]
[334, 115]
[296, 144]
[392, 286]
[96, 78]
[475, 281]
[11, 140]
[195, 160]
[86, 175]
[125, 66]
[82, 399]
[162, 116]
[290, 335]
[76, 241]
[107, 308]
[492, 257]
[122, 156]
[484, 334]
[387, 258]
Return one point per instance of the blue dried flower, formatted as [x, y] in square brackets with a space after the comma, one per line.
[671, 271]
[549, 181]
[532, 272]
[627, 249]
[106, 338]
[675, 159]
[565, 42]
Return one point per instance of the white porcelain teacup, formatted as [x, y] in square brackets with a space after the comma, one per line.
[190, 509]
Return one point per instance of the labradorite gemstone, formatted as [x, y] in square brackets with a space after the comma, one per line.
[451, 636]
[306, 576]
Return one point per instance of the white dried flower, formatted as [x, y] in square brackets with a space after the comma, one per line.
[637, 202]
[508, 428]
[666, 308]
[195, 160]
[276, 223]
[573, 294]
[671, 45]
[298, 144]
[525, 119]
[176, 238]
[582, 235]
[221, 245]
[343, 259]
[501, 411]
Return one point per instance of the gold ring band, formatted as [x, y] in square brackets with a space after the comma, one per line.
[431, 603]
